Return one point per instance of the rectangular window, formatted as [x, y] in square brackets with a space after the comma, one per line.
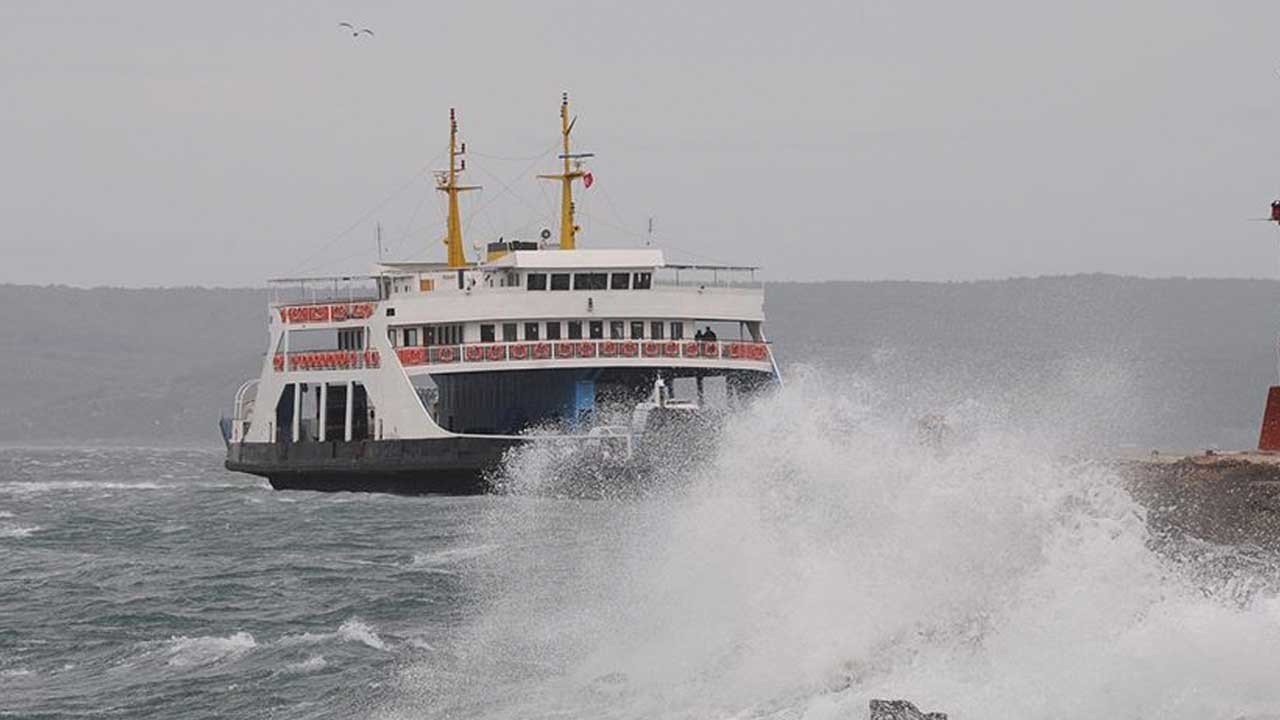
[537, 281]
[429, 335]
[677, 330]
[575, 329]
[553, 330]
[655, 329]
[410, 337]
[560, 281]
[615, 329]
[531, 331]
[508, 332]
[393, 336]
[620, 281]
[590, 281]
[597, 330]
[637, 330]
[643, 281]
[486, 333]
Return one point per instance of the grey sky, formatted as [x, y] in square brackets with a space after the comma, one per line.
[161, 143]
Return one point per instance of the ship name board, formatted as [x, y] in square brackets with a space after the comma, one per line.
[326, 313]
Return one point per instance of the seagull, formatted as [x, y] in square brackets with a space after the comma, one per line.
[354, 32]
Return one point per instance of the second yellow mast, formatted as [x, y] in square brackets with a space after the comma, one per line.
[572, 171]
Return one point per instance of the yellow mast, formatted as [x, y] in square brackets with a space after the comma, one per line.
[572, 171]
[447, 182]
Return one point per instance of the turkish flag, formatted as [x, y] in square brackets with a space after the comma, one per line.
[587, 179]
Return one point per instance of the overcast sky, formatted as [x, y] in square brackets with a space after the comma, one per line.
[164, 143]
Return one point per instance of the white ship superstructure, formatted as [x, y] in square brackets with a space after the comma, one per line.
[418, 376]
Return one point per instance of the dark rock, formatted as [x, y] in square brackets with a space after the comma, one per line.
[901, 710]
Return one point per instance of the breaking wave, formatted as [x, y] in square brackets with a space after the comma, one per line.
[198, 651]
[31, 488]
[355, 630]
[352, 630]
[310, 665]
[445, 560]
[824, 556]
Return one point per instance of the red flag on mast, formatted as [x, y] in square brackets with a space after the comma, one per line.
[587, 179]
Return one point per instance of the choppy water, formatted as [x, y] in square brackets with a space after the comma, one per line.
[822, 558]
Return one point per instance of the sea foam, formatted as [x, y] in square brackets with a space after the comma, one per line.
[825, 556]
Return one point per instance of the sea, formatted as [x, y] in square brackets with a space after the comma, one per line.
[820, 556]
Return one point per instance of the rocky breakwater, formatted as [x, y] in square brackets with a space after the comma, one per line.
[1226, 498]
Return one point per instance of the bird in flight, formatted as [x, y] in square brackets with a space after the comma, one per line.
[354, 32]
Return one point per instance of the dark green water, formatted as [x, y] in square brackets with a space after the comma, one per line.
[139, 583]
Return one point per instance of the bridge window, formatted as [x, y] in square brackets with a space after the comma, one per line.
[655, 329]
[615, 330]
[392, 335]
[590, 281]
[597, 329]
[560, 281]
[537, 281]
[508, 332]
[643, 281]
[553, 330]
[486, 333]
[531, 331]
[620, 281]
[410, 337]
[637, 330]
[575, 329]
[677, 330]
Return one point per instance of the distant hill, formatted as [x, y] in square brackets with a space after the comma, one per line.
[1095, 358]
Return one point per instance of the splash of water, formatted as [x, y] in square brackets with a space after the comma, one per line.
[823, 557]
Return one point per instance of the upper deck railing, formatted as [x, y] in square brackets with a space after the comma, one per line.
[313, 291]
[357, 291]
[494, 355]
[707, 276]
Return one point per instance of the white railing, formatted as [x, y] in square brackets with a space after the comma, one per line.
[242, 410]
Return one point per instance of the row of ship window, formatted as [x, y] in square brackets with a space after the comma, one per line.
[551, 330]
[589, 281]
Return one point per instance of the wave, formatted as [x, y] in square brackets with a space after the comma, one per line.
[310, 665]
[355, 630]
[352, 630]
[31, 488]
[451, 557]
[19, 532]
[198, 651]
[824, 556]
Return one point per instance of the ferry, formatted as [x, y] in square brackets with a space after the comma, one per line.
[420, 377]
